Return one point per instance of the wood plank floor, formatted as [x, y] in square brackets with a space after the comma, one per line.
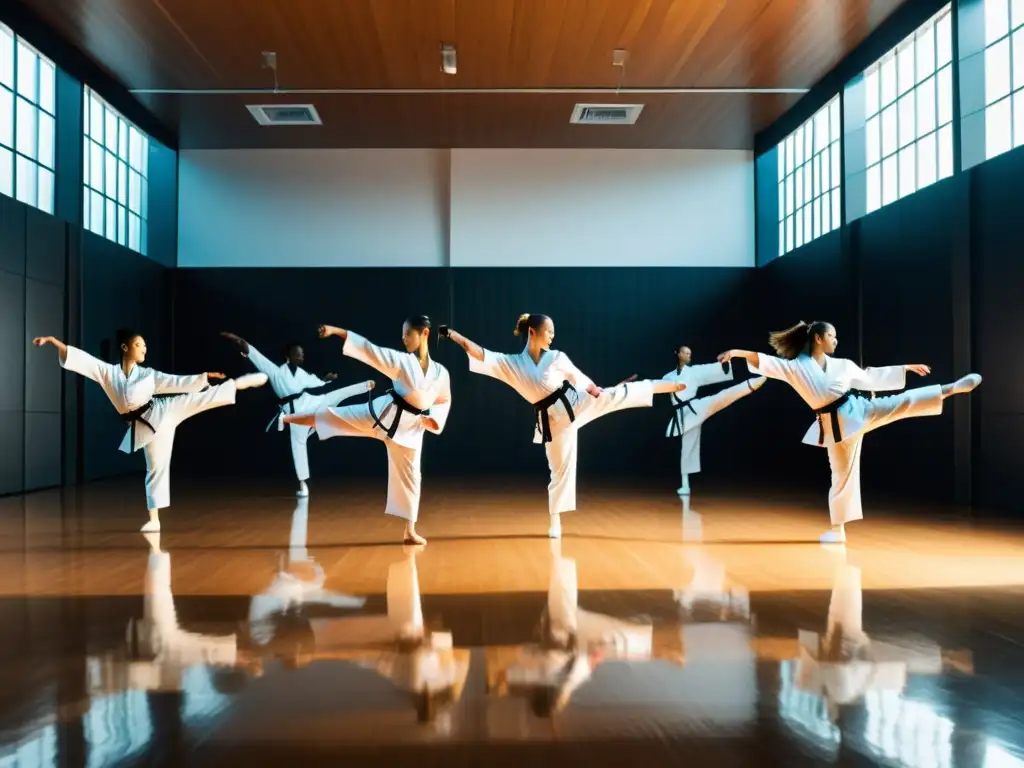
[257, 628]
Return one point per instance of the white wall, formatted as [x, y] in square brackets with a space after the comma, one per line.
[602, 208]
[394, 208]
[312, 208]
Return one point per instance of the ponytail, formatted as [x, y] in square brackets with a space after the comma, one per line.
[527, 321]
[794, 341]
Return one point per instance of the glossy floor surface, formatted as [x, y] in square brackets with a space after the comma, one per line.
[258, 629]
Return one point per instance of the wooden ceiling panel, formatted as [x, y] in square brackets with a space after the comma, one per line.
[694, 120]
[195, 45]
[501, 43]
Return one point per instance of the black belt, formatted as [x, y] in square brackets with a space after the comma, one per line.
[400, 405]
[832, 410]
[134, 417]
[541, 407]
[679, 416]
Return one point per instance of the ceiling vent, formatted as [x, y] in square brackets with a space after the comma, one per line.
[285, 114]
[606, 114]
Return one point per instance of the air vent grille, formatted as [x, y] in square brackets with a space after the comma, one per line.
[606, 114]
[285, 114]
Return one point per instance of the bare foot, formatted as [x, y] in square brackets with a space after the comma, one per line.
[411, 537]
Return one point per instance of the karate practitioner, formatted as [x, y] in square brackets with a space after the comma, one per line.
[562, 396]
[298, 391]
[690, 411]
[419, 402]
[136, 392]
[836, 389]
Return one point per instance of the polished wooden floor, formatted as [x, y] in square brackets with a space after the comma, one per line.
[258, 629]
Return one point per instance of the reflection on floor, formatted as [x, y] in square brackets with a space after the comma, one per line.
[258, 629]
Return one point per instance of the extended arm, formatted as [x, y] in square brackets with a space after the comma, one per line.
[78, 361]
[473, 349]
[712, 373]
[169, 383]
[355, 346]
[752, 358]
[887, 378]
[62, 348]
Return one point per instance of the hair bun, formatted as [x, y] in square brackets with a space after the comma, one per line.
[522, 319]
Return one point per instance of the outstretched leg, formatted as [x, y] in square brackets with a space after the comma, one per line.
[703, 409]
[844, 499]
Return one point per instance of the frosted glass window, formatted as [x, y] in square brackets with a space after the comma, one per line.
[27, 122]
[997, 71]
[998, 128]
[114, 170]
[809, 166]
[927, 160]
[890, 180]
[926, 111]
[997, 20]
[945, 152]
[908, 171]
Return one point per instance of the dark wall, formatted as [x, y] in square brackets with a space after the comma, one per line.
[612, 322]
[997, 246]
[119, 289]
[908, 253]
[33, 253]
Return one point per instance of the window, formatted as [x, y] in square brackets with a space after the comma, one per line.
[1004, 76]
[809, 179]
[115, 166]
[908, 97]
[27, 120]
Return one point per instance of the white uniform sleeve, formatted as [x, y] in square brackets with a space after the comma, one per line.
[383, 359]
[497, 365]
[712, 373]
[169, 384]
[885, 379]
[575, 376]
[81, 362]
[442, 405]
[262, 364]
[773, 368]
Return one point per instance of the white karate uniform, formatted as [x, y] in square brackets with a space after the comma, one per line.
[534, 382]
[818, 387]
[421, 390]
[686, 422]
[285, 382]
[128, 393]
